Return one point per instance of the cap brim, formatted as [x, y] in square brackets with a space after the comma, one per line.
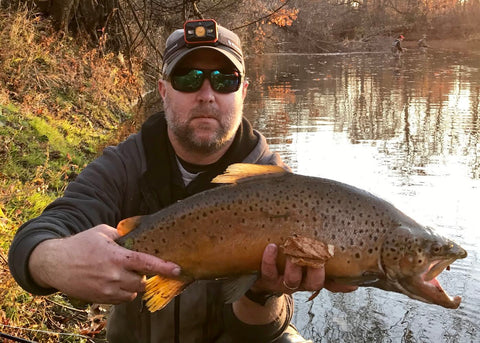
[223, 50]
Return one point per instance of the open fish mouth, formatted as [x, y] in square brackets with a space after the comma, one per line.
[425, 287]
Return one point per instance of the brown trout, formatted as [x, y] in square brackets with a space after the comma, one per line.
[222, 233]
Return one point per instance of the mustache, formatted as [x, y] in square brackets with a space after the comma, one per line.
[205, 112]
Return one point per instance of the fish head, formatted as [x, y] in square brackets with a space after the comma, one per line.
[412, 258]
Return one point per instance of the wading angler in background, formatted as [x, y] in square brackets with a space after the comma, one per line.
[397, 49]
[71, 247]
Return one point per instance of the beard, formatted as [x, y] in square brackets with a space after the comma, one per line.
[203, 138]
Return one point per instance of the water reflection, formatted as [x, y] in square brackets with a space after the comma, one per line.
[407, 130]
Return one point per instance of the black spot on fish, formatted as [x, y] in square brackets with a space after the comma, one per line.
[370, 251]
[357, 255]
[156, 251]
[333, 236]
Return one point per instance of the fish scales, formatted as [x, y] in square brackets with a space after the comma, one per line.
[224, 231]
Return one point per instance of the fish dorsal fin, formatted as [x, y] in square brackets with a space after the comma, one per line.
[238, 171]
[127, 225]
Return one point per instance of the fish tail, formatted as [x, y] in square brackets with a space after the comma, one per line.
[161, 290]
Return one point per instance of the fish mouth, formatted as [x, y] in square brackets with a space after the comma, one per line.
[425, 287]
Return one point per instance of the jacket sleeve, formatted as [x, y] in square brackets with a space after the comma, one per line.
[238, 331]
[95, 197]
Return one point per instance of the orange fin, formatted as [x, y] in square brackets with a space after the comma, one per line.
[161, 290]
[127, 225]
[237, 171]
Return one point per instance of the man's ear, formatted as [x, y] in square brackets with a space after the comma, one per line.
[244, 89]
[162, 88]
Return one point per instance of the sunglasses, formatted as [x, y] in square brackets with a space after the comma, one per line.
[191, 80]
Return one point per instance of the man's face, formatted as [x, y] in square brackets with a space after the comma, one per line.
[203, 121]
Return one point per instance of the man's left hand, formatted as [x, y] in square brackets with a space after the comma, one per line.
[294, 278]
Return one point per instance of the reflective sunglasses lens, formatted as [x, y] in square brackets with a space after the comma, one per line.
[187, 81]
[225, 82]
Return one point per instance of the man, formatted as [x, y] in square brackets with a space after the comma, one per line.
[397, 46]
[71, 247]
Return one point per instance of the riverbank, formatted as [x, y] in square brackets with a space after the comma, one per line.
[61, 100]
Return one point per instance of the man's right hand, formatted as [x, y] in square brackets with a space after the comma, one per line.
[91, 266]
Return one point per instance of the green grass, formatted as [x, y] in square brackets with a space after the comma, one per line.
[60, 102]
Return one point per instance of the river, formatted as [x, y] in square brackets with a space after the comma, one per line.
[407, 130]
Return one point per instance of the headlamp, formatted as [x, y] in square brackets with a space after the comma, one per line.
[200, 32]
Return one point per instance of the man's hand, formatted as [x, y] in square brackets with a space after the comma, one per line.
[294, 278]
[91, 266]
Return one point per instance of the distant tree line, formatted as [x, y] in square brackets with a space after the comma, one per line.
[139, 27]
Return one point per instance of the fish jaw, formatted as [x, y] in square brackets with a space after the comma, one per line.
[412, 258]
[425, 287]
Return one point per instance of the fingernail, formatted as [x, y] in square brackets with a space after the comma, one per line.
[176, 271]
[272, 248]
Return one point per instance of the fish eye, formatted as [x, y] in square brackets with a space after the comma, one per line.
[436, 248]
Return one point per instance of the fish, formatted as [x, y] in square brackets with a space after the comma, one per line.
[221, 233]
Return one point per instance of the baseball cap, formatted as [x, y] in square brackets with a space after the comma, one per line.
[177, 48]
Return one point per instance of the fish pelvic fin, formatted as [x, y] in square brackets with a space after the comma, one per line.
[238, 171]
[161, 290]
[233, 289]
[127, 225]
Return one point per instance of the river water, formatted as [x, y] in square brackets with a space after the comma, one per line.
[407, 130]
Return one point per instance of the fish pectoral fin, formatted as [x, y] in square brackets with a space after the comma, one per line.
[127, 225]
[161, 290]
[238, 171]
[234, 289]
[307, 252]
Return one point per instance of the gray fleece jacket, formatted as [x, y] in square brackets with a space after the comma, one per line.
[141, 176]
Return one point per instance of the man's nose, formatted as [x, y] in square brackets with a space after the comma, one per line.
[206, 92]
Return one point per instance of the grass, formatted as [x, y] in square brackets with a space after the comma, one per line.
[60, 101]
